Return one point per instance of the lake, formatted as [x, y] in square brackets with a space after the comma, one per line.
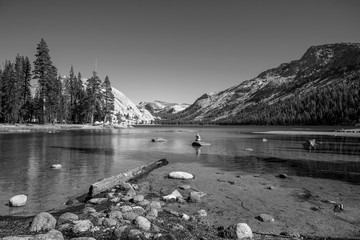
[87, 156]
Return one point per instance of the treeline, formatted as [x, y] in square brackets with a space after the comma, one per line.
[54, 99]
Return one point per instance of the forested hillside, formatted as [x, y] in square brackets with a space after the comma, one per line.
[320, 88]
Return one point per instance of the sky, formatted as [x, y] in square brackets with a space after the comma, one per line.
[173, 51]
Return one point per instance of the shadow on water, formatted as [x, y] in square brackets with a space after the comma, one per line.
[96, 151]
[342, 171]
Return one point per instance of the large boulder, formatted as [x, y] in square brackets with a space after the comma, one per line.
[18, 201]
[43, 221]
[243, 231]
[181, 175]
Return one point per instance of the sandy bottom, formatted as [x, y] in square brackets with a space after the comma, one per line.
[296, 203]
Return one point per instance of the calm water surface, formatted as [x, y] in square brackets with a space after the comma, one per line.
[87, 156]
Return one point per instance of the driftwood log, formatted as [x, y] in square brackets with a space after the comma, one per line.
[108, 183]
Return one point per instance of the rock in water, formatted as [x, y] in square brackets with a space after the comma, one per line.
[266, 218]
[56, 166]
[243, 231]
[173, 196]
[199, 144]
[43, 221]
[18, 201]
[158, 140]
[181, 175]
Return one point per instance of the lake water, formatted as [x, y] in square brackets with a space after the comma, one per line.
[87, 156]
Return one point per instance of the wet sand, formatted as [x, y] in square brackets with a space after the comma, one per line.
[297, 204]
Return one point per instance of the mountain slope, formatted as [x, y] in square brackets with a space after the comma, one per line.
[161, 109]
[128, 110]
[321, 67]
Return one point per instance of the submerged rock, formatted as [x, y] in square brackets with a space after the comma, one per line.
[158, 140]
[265, 218]
[18, 201]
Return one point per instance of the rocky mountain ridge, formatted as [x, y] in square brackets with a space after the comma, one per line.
[161, 109]
[317, 68]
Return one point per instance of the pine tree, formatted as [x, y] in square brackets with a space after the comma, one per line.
[46, 74]
[79, 100]
[8, 95]
[71, 93]
[94, 97]
[26, 98]
[108, 99]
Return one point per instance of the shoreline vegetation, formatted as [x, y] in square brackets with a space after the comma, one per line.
[274, 205]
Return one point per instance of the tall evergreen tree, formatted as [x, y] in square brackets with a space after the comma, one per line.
[79, 100]
[108, 98]
[26, 91]
[8, 95]
[46, 74]
[94, 98]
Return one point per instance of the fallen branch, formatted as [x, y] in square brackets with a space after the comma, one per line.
[108, 183]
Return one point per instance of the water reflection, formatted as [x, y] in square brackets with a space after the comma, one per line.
[344, 171]
[87, 156]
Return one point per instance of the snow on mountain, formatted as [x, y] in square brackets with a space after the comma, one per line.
[313, 69]
[128, 110]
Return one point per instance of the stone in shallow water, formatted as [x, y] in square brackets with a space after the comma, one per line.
[181, 175]
[266, 218]
[173, 196]
[18, 200]
[185, 187]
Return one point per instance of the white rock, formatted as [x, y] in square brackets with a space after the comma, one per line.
[98, 200]
[175, 194]
[243, 231]
[185, 217]
[181, 175]
[202, 213]
[18, 200]
[56, 166]
[143, 223]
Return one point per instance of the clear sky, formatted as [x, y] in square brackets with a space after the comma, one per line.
[174, 50]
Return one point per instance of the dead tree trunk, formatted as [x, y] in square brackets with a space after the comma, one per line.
[108, 183]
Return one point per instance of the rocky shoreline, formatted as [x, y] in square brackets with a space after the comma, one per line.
[159, 207]
[128, 211]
